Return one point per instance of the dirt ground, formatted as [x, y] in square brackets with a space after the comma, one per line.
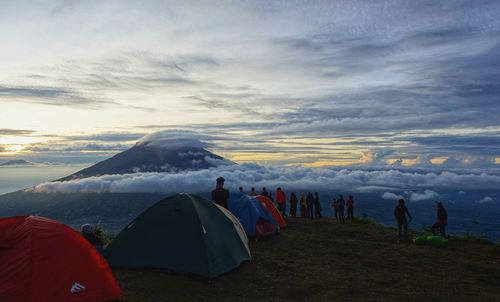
[321, 260]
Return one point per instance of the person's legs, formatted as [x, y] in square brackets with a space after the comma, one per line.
[400, 227]
[405, 229]
[442, 230]
[434, 228]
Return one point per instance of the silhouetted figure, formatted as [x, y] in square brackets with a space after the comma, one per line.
[252, 192]
[88, 232]
[341, 208]
[310, 205]
[220, 195]
[350, 207]
[281, 201]
[303, 206]
[241, 190]
[317, 206]
[442, 220]
[293, 205]
[400, 213]
[335, 208]
[270, 196]
[264, 192]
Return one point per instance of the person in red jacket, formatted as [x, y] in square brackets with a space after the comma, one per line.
[281, 201]
[350, 207]
[442, 220]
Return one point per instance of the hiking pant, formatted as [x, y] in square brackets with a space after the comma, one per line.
[281, 208]
[336, 213]
[350, 213]
[293, 210]
[402, 227]
[341, 214]
[441, 227]
[310, 211]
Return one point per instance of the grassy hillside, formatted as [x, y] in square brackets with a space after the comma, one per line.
[323, 261]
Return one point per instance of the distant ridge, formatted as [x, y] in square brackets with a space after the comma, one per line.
[16, 162]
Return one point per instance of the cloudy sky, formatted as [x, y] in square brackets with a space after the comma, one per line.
[312, 83]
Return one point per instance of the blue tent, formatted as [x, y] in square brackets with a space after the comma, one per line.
[255, 219]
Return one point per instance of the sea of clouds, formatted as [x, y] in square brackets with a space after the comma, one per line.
[420, 185]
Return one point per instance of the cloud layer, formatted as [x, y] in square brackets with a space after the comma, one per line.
[251, 175]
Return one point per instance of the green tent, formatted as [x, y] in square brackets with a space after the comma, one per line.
[182, 233]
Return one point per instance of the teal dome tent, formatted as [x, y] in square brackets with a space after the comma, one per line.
[182, 233]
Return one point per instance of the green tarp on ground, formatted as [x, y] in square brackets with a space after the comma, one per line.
[183, 233]
[430, 240]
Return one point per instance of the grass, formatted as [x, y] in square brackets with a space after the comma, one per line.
[321, 260]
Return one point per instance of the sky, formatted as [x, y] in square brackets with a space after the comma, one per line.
[280, 83]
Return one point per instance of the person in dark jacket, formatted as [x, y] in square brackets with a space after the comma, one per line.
[293, 205]
[400, 213]
[442, 220]
[88, 233]
[252, 192]
[220, 195]
[264, 192]
[317, 206]
[310, 205]
[341, 208]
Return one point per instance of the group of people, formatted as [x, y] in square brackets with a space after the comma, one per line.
[308, 204]
[401, 214]
[310, 207]
[339, 205]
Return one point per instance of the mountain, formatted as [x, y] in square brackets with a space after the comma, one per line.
[153, 158]
[16, 162]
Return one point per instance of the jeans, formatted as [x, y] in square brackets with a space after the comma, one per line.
[402, 227]
[441, 227]
[310, 211]
[350, 213]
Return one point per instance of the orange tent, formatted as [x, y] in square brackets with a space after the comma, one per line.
[268, 204]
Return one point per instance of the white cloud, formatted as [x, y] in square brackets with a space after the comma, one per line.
[391, 196]
[252, 175]
[486, 199]
[174, 139]
[426, 195]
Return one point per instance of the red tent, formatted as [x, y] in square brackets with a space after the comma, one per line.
[44, 260]
[268, 204]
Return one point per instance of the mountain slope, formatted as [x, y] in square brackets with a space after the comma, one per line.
[153, 158]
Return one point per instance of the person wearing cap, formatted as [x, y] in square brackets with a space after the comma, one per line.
[220, 195]
[400, 213]
[88, 232]
[442, 220]
[252, 192]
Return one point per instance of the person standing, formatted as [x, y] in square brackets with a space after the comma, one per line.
[341, 208]
[317, 206]
[293, 205]
[442, 220]
[400, 213]
[252, 192]
[303, 206]
[334, 206]
[310, 205]
[220, 195]
[350, 207]
[241, 190]
[264, 192]
[281, 200]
